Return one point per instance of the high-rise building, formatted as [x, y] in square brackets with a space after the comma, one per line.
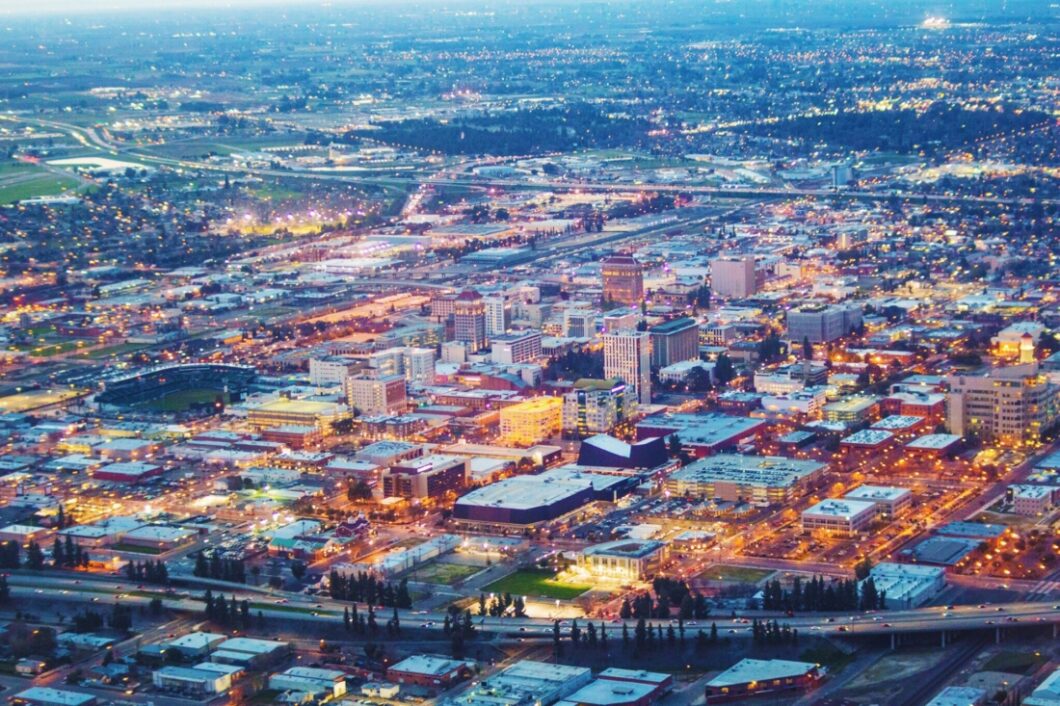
[627, 355]
[597, 406]
[821, 323]
[415, 364]
[623, 279]
[733, 276]
[517, 347]
[382, 395]
[674, 341]
[1008, 406]
[469, 320]
[579, 323]
[498, 315]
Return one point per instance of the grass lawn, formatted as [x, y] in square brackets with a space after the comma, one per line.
[442, 573]
[183, 400]
[735, 574]
[45, 184]
[828, 655]
[110, 351]
[1014, 662]
[532, 582]
[136, 549]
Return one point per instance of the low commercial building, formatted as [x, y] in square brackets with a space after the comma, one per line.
[759, 480]
[854, 409]
[869, 441]
[527, 682]
[1047, 693]
[195, 644]
[702, 434]
[959, 696]
[604, 692]
[661, 681]
[624, 559]
[284, 412]
[434, 671]
[907, 585]
[522, 500]
[250, 652]
[890, 501]
[935, 445]
[839, 516]
[128, 472]
[191, 682]
[163, 538]
[757, 677]
[431, 476]
[310, 680]
[532, 421]
[1033, 500]
[46, 696]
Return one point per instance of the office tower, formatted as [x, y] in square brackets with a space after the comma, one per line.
[517, 347]
[733, 276]
[498, 315]
[469, 320]
[1008, 406]
[382, 395]
[597, 407]
[674, 341]
[623, 279]
[627, 355]
[823, 323]
[579, 323]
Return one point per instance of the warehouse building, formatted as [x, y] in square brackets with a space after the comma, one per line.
[46, 696]
[527, 682]
[758, 677]
[436, 671]
[522, 500]
[327, 683]
[907, 585]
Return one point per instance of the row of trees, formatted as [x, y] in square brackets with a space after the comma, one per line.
[819, 595]
[149, 571]
[500, 605]
[68, 554]
[365, 588]
[219, 568]
[669, 593]
[230, 613]
[90, 621]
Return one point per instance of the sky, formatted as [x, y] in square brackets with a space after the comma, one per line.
[32, 7]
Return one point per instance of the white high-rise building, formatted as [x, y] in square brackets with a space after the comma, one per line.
[415, 364]
[498, 315]
[627, 355]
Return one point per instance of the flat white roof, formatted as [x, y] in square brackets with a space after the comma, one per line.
[44, 694]
[838, 507]
[934, 441]
[608, 691]
[877, 492]
[427, 664]
[749, 670]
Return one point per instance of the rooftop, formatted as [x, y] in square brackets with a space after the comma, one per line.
[426, 664]
[836, 507]
[749, 670]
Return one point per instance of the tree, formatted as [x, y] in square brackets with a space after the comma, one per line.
[298, 570]
[34, 557]
[724, 371]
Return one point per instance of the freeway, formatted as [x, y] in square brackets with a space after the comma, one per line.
[91, 137]
[91, 589]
